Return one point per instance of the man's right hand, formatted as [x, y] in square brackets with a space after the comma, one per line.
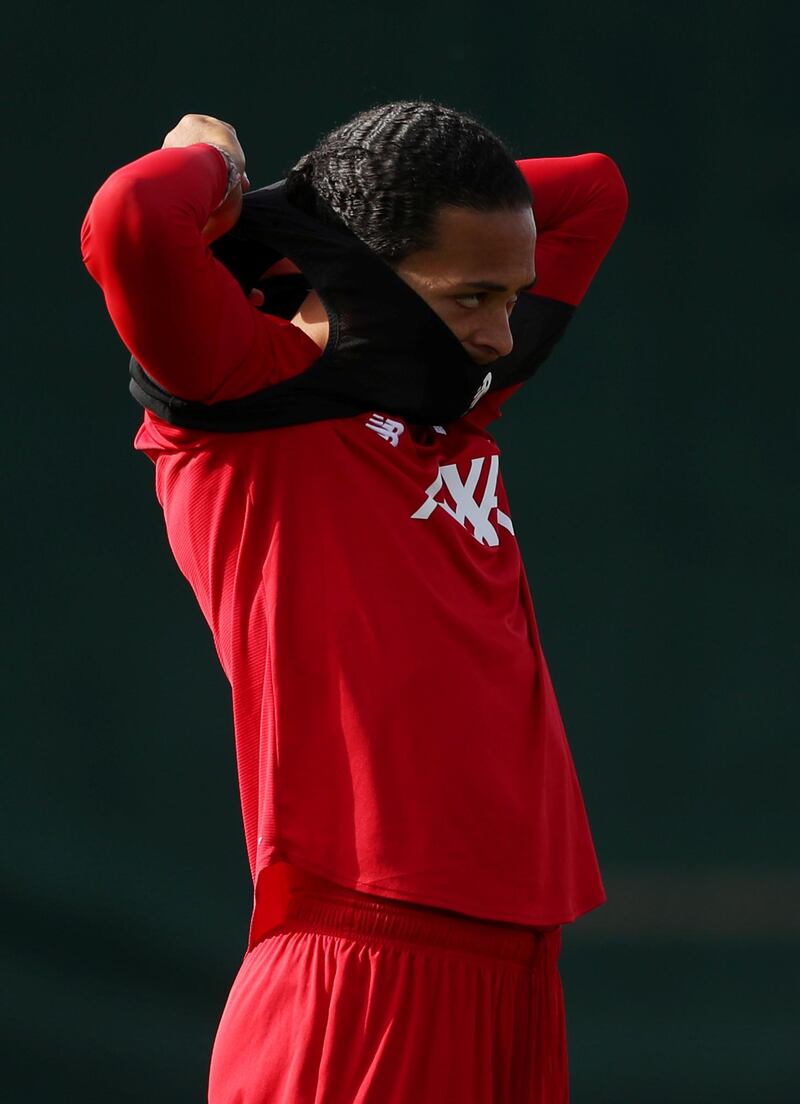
[205, 128]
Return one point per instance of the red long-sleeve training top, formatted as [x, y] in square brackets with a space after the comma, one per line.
[396, 726]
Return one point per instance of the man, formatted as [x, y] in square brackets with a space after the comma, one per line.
[414, 825]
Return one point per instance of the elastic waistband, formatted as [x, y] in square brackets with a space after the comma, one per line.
[347, 913]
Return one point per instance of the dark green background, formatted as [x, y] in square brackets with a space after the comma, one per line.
[650, 468]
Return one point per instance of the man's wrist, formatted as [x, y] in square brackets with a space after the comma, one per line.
[234, 173]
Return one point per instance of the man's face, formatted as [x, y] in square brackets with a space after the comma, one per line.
[480, 262]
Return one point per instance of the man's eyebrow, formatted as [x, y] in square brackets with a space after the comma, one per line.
[486, 285]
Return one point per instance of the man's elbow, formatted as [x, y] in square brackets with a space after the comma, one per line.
[610, 190]
[121, 225]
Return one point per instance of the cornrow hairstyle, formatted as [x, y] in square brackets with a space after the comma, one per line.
[385, 173]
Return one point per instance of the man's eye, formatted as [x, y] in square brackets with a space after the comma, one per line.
[471, 301]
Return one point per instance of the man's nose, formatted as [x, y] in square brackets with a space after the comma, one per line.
[496, 336]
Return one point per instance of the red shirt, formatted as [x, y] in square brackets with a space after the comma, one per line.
[396, 727]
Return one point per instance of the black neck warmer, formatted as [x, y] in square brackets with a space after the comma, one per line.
[388, 351]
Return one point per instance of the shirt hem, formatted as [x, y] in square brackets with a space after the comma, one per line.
[439, 901]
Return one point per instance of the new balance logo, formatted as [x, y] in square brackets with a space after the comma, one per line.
[386, 428]
[466, 508]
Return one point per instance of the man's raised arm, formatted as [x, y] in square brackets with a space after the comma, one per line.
[579, 204]
[178, 310]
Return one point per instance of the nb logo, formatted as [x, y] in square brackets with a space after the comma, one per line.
[386, 428]
[466, 509]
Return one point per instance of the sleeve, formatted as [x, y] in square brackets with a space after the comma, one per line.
[178, 309]
[579, 204]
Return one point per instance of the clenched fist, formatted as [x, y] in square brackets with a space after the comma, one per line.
[205, 128]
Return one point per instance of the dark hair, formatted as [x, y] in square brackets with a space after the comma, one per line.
[385, 173]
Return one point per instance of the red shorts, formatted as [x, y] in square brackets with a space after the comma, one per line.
[355, 999]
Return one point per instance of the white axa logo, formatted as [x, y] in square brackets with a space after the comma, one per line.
[467, 508]
[386, 428]
[484, 387]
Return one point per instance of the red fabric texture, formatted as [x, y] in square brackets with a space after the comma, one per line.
[357, 1001]
[396, 727]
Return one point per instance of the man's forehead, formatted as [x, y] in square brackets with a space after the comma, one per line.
[483, 247]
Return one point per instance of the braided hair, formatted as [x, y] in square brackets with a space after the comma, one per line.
[385, 173]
